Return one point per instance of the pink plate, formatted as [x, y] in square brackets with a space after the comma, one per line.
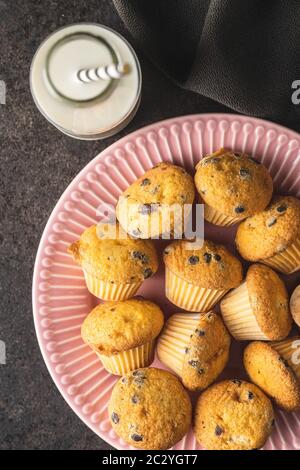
[60, 298]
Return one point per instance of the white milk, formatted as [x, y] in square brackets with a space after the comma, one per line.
[85, 110]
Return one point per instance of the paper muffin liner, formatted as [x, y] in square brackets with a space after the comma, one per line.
[190, 297]
[238, 315]
[108, 291]
[288, 261]
[175, 338]
[289, 349]
[126, 361]
[218, 218]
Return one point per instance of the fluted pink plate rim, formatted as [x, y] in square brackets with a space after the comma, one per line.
[60, 298]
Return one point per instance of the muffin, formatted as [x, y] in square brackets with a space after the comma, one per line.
[233, 415]
[196, 347]
[275, 368]
[258, 308]
[154, 204]
[295, 305]
[232, 186]
[114, 264]
[198, 274]
[273, 236]
[149, 409]
[123, 333]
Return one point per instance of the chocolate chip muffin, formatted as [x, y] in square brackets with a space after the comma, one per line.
[275, 368]
[233, 415]
[123, 333]
[273, 236]
[232, 186]
[258, 308]
[149, 409]
[154, 204]
[114, 264]
[199, 273]
[196, 347]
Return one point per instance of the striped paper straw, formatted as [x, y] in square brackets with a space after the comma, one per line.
[108, 72]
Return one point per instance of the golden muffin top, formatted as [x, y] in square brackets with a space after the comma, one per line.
[109, 254]
[113, 327]
[272, 373]
[150, 409]
[211, 266]
[233, 183]
[233, 415]
[271, 231]
[207, 352]
[269, 301]
[144, 207]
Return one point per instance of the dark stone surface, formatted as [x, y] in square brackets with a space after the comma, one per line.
[37, 163]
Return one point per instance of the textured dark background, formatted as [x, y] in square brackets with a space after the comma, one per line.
[37, 163]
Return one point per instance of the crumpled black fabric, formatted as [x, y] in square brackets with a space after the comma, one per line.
[244, 54]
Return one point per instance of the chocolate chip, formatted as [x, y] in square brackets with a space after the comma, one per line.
[137, 373]
[237, 154]
[250, 396]
[166, 251]
[281, 208]
[245, 173]
[145, 182]
[217, 257]
[239, 209]
[186, 350]
[148, 273]
[193, 260]
[207, 257]
[237, 382]
[134, 399]
[140, 256]
[195, 365]
[271, 221]
[136, 437]
[218, 430]
[201, 333]
[115, 418]
[112, 309]
[139, 381]
[146, 209]
[124, 380]
[207, 161]
[139, 377]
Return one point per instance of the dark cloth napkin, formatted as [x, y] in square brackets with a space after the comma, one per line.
[244, 54]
